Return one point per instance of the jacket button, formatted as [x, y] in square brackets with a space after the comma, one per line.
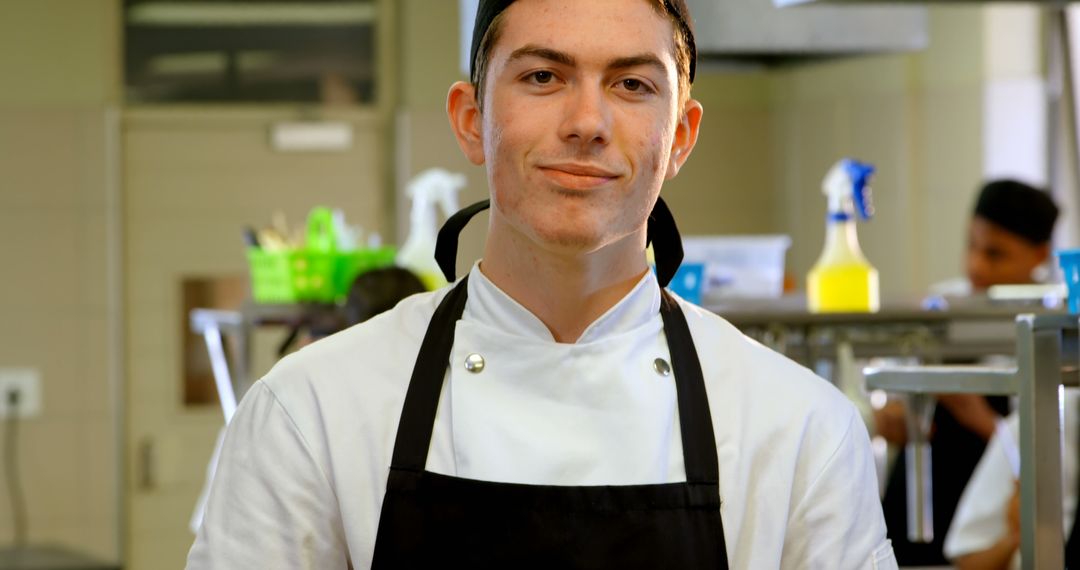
[661, 367]
[474, 363]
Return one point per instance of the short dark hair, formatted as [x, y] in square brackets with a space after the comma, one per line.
[1019, 209]
[488, 25]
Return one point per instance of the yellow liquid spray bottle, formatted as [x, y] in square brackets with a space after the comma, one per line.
[842, 280]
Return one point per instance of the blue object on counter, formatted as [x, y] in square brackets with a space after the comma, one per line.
[1069, 260]
[688, 282]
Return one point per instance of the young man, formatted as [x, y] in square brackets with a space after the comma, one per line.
[1008, 242]
[1008, 239]
[555, 408]
[1009, 234]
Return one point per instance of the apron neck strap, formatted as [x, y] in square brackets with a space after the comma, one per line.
[425, 387]
[661, 232]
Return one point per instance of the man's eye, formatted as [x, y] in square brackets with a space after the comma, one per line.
[633, 85]
[543, 77]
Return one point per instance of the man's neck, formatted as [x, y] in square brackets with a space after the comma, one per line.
[567, 292]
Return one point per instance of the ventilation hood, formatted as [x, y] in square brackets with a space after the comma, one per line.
[754, 33]
[759, 31]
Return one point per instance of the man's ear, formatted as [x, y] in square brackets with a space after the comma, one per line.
[465, 119]
[686, 133]
[1042, 252]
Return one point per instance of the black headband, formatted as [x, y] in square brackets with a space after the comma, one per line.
[489, 9]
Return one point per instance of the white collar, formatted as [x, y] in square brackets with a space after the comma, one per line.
[490, 306]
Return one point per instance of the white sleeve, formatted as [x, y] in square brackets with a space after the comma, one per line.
[979, 521]
[838, 523]
[270, 504]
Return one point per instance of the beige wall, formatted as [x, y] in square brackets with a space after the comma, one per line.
[60, 53]
[58, 70]
[918, 119]
[192, 179]
[726, 187]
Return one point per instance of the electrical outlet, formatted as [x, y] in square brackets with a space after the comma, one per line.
[25, 381]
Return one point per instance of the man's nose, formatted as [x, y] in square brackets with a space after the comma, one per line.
[586, 116]
[976, 267]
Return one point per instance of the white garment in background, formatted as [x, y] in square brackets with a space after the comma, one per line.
[980, 516]
[305, 460]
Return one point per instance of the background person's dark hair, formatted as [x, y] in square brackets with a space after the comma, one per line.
[377, 291]
[1018, 208]
[489, 17]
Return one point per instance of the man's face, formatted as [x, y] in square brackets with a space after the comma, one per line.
[996, 256]
[581, 113]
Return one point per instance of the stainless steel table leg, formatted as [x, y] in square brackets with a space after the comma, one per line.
[220, 365]
[1038, 354]
[920, 491]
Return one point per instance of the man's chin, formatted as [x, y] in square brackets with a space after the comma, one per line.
[571, 242]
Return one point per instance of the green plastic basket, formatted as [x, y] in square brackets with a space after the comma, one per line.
[292, 276]
[315, 274]
[310, 276]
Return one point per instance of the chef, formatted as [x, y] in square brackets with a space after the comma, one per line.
[985, 534]
[556, 407]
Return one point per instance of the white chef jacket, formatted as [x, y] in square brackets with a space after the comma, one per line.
[305, 461]
[979, 521]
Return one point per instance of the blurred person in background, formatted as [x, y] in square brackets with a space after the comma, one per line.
[372, 293]
[1008, 243]
[985, 533]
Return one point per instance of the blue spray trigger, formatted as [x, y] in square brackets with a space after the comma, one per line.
[860, 174]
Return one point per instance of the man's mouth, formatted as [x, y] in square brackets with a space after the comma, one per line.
[577, 176]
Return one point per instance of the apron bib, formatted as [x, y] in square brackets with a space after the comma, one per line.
[430, 519]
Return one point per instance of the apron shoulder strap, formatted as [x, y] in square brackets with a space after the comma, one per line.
[422, 398]
[695, 419]
[662, 233]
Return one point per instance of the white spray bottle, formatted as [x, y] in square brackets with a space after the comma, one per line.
[843, 280]
[431, 188]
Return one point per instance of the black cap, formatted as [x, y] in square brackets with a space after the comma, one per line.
[1018, 208]
[489, 9]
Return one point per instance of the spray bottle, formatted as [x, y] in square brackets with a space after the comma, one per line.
[429, 189]
[843, 280]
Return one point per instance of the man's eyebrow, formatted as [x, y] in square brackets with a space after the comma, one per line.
[563, 58]
[543, 53]
[645, 59]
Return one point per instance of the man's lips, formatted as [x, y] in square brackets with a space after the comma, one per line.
[577, 176]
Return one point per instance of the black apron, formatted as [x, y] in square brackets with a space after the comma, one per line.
[954, 453]
[430, 519]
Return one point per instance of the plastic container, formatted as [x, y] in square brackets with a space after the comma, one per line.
[292, 276]
[430, 189]
[688, 281]
[1069, 261]
[843, 288]
[739, 266]
[318, 273]
[302, 276]
[842, 280]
